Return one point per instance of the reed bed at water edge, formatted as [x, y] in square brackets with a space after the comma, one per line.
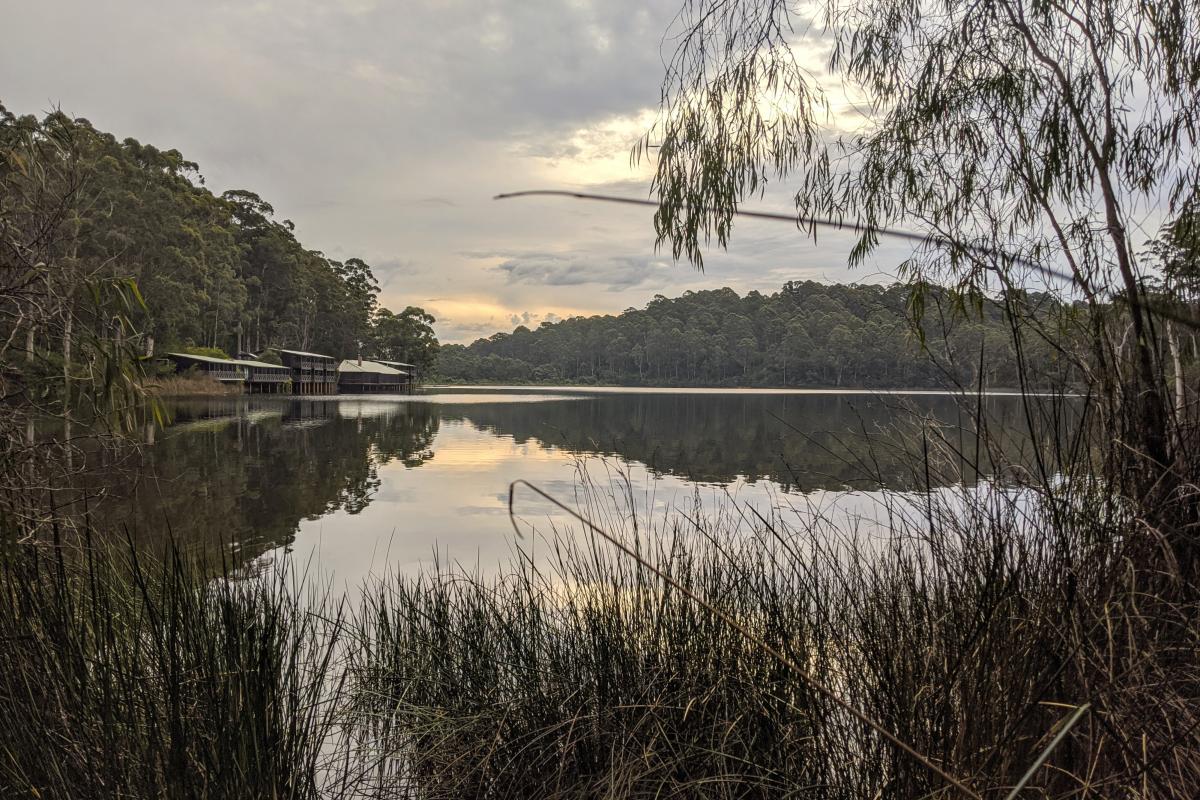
[969, 622]
[125, 678]
[965, 626]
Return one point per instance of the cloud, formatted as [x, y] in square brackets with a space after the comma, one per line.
[464, 321]
[434, 202]
[596, 155]
[465, 331]
[583, 269]
[383, 129]
[532, 319]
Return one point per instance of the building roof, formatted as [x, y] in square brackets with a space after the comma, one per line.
[236, 362]
[367, 366]
[309, 355]
[259, 364]
[398, 364]
[205, 359]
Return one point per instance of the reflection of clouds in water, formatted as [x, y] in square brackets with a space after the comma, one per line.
[371, 485]
[480, 511]
[468, 522]
[468, 398]
[455, 507]
[390, 406]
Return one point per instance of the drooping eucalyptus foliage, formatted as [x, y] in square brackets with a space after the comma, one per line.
[1051, 135]
[1024, 139]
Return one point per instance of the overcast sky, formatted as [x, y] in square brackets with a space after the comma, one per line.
[383, 129]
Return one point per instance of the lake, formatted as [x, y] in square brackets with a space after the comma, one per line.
[358, 485]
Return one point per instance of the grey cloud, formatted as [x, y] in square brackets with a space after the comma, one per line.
[395, 273]
[580, 269]
[383, 127]
[456, 331]
[464, 332]
[532, 319]
[467, 331]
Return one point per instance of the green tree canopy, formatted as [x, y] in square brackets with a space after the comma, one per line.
[807, 334]
[214, 271]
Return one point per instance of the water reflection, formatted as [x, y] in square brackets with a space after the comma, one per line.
[359, 483]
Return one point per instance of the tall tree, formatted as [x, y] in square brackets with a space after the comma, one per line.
[213, 271]
[407, 337]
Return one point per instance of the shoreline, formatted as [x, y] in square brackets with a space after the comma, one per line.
[734, 390]
[194, 390]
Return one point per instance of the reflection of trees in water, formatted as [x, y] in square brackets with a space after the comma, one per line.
[244, 473]
[800, 441]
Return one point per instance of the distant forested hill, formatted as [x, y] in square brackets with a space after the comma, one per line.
[215, 271]
[807, 334]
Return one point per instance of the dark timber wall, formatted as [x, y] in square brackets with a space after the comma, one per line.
[312, 373]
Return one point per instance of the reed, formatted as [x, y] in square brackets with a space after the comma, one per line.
[968, 628]
[189, 386]
[122, 678]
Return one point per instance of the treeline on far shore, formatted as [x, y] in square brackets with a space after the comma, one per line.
[807, 334]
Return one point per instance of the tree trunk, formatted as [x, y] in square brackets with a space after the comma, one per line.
[1177, 368]
[66, 347]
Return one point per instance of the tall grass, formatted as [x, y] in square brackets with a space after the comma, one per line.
[122, 679]
[189, 386]
[971, 628]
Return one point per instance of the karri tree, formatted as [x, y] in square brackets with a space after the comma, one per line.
[407, 337]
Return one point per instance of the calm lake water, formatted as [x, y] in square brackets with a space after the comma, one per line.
[355, 486]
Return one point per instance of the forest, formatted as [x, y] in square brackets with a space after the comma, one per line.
[807, 334]
[132, 231]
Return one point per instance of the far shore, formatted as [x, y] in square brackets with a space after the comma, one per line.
[180, 387]
[585, 389]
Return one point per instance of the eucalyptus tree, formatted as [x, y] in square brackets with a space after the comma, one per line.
[1020, 141]
[153, 221]
[360, 297]
[1020, 138]
[64, 311]
[407, 337]
[66, 321]
[717, 338]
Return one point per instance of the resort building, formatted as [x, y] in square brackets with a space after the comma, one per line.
[303, 373]
[254, 376]
[266, 378]
[312, 373]
[372, 377]
[219, 369]
[257, 377]
[408, 369]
